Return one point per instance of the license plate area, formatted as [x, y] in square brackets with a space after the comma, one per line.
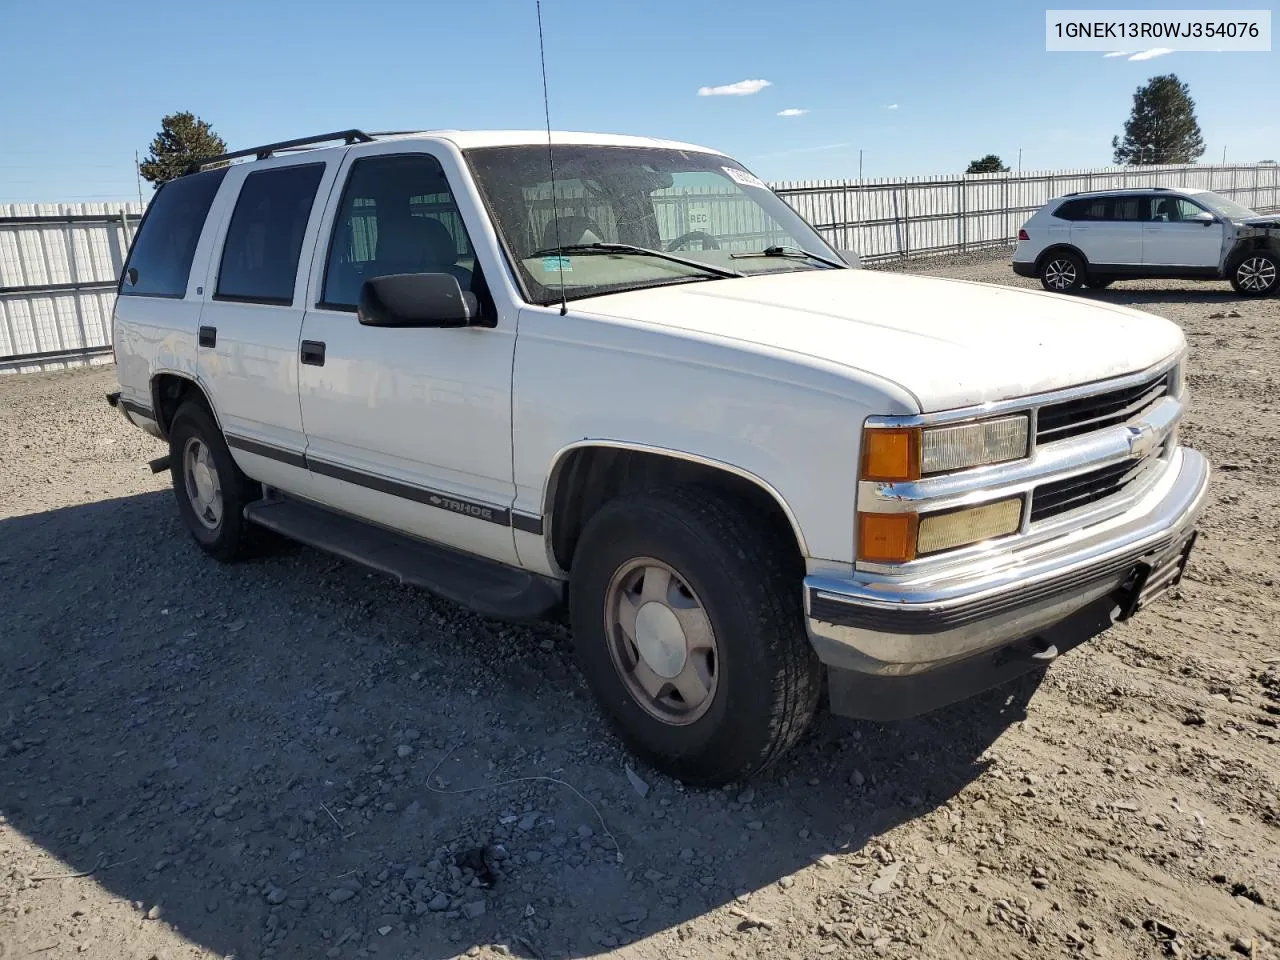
[1151, 580]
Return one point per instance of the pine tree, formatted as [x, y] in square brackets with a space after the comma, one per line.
[1162, 127]
[988, 164]
[183, 138]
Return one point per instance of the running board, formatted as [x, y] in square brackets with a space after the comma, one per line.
[486, 586]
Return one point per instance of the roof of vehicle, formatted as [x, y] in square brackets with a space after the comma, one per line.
[462, 139]
[1122, 191]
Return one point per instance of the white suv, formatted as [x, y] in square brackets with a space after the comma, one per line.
[1094, 239]
[646, 391]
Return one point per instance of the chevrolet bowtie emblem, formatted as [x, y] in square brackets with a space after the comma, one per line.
[1142, 440]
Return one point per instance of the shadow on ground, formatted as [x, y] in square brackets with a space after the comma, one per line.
[238, 744]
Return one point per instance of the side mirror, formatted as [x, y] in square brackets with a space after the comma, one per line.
[416, 300]
[851, 257]
[1205, 218]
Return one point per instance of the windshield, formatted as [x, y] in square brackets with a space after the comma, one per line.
[1227, 208]
[695, 206]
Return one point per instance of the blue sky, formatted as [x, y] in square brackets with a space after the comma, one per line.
[920, 88]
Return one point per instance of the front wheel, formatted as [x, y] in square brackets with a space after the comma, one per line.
[1062, 273]
[690, 631]
[1257, 274]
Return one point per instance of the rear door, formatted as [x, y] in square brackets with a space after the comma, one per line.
[1173, 238]
[1109, 230]
[252, 317]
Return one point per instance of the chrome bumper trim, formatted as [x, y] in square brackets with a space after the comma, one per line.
[881, 625]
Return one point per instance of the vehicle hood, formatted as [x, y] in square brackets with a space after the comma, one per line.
[1271, 222]
[951, 343]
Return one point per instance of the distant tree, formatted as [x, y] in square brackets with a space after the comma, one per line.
[183, 138]
[1162, 127]
[988, 164]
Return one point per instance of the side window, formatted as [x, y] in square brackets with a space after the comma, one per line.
[264, 239]
[1185, 209]
[1130, 209]
[160, 261]
[1086, 208]
[397, 215]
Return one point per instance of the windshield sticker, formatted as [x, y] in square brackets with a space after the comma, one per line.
[699, 218]
[743, 178]
[556, 264]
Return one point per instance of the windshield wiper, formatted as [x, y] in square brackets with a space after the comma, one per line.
[630, 248]
[791, 253]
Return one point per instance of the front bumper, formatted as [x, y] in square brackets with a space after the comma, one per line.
[879, 628]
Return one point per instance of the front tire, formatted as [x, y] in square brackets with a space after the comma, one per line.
[1257, 274]
[690, 632]
[1062, 272]
[211, 490]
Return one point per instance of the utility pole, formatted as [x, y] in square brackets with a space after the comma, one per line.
[859, 164]
[1019, 161]
[1224, 154]
[137, 172]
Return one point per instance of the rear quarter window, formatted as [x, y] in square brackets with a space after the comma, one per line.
[1086, 208]
[160, 261]
[264, 239]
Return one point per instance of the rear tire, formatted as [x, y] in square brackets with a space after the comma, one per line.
[1257, 274]
[712, 678]
[1062, 272]
[211, 490]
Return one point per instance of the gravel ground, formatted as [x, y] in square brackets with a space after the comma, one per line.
[297, 758]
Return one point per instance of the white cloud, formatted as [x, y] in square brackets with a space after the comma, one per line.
[792, 112]
[891, 106]
[1115, 53]
[1151, 54]
[743, 88]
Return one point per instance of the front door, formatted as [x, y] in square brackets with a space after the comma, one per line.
[408, 427]
[1174, 238]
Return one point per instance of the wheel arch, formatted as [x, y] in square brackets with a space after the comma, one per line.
[1058, 248]
[1247, 245]
[586, 475]
[169, 390]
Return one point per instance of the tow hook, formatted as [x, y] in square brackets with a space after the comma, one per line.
[1036, 649]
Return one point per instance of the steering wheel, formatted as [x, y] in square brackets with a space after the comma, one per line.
[708, 241]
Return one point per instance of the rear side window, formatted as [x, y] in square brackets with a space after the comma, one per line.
[264, 239]
[160, 261]
[1130, 209]
[1086, 208]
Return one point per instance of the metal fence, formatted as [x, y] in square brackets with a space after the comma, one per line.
[59, 262]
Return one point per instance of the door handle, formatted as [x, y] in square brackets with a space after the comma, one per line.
[208, 336]
[313, 353]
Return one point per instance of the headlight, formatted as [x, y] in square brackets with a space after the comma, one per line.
[901, 537]
[908, 453]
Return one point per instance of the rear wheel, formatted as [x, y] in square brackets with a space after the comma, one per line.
[1062, 272]
[690, 632]
[211, 490]
[1257, 274]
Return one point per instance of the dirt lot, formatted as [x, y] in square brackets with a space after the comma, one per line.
[290, 758]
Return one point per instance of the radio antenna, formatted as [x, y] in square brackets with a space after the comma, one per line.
[551, 162]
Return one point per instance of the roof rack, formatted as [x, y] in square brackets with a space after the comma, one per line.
[1077, 193]
[267, 149]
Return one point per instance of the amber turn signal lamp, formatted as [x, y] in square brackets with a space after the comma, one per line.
[890, 455]
[887, 537]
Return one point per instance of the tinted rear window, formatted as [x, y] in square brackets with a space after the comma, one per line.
[166, 242]
[264, 241]
[1086, 208]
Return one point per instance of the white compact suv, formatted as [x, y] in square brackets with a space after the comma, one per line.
[644, 394]
[1094, 239]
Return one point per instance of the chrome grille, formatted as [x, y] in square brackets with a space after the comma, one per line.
[1071, 418]
[1060, 496]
